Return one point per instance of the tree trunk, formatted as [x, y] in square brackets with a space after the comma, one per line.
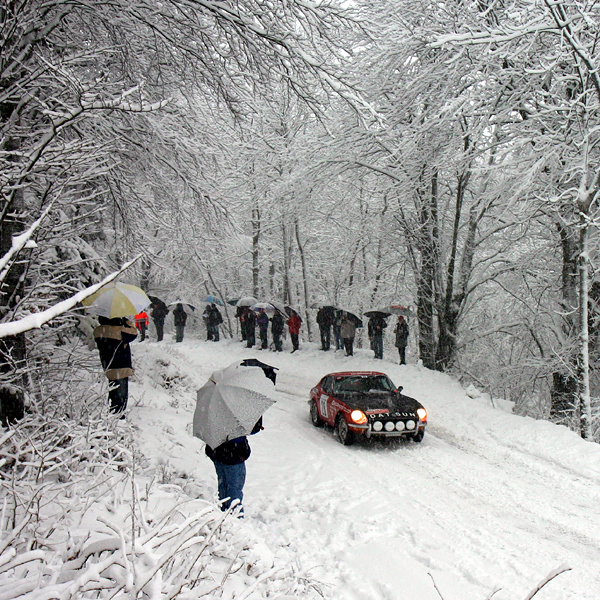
[255, 249]
[583, 362]
[563, 394]
[304, 278]
[426, 276]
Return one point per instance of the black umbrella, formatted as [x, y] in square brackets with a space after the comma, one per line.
[356, 319]
[157, 301]
[233, 301]
[377, 313]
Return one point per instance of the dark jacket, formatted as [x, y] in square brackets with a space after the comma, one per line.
[401, 334]
[376, 326]
[112, 338]
[159, 312]
[277, 323]
[233, 452]
[214, 316]
[179, 316]
[325, 317]
[262, 320]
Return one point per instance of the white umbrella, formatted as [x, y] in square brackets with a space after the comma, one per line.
[398, 309]
[187, 307]
[278, 305]
[246, 301]
[117, 300]
[266, 306]
[230, 403]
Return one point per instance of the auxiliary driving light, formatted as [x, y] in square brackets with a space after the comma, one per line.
[389, 426]
[400, 425]
[410, 424]
[377, 426]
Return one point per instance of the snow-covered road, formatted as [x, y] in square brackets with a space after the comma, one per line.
[487, 500]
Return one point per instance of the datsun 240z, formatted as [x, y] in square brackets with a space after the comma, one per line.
[368, 404]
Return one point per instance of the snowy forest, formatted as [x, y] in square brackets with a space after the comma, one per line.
[440, 155]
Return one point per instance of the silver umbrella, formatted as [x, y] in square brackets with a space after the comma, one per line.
[230, 403]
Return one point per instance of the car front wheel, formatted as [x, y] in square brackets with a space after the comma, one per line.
[345, 436]
[418, 437]
[314, 415]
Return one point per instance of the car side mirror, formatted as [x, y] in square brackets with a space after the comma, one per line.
[399, 389]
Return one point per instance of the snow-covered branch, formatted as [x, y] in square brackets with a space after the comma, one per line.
[36, 320]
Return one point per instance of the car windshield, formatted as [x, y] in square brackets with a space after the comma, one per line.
[362, 384]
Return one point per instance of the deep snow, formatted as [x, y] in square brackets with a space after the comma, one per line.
[488, 500]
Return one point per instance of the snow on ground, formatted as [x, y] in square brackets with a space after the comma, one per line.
[488, 499]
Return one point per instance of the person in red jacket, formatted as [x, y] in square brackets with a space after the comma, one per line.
[141, 323]
[294, 323]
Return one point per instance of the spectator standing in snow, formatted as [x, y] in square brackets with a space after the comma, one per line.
[113, 337]
[401, 332]
[337, 324]
[141, 324]
[230, 464]
[277, 325]
[262, 320]
[294, 323]
[324, 321]
[179, 320]
[159, 312]
[250, 322]
[214, 320]
[206, 320]
[240, 313]
[348, 331]
[375, 328]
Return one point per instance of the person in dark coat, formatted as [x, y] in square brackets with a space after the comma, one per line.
[206, 320]
[325, 321]
[250, 321]
[113, 337]
[159, 311]
[277, 324]
[401, 332]
[214, 320]
[179, 320]
[230, 464]
[348, 332]
[375, 328]
[337, 325]
[262, 320]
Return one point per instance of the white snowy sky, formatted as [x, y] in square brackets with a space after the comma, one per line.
[488, 499]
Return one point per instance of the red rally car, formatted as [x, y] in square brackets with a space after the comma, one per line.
[365, 403]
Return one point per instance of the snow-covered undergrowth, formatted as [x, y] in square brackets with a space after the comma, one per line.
[85, 515]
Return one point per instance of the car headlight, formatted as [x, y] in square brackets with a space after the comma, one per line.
[377, 426]
[358, 416]
[422, 413]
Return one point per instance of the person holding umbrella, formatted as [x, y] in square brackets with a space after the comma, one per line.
[401, 332]
[262, 320]
[179, 320]
[113, 337]
[277, 325]
[348, 332]
[229, 407]
[325, 321]
[158, 312]
[375, 327]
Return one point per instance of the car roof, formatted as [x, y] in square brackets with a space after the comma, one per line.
[353, 374]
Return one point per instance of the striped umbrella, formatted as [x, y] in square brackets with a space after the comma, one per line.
[117, 300]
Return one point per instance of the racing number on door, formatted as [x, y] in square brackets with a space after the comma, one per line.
[323, 406]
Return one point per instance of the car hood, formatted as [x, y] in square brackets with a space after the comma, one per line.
[372, 401]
